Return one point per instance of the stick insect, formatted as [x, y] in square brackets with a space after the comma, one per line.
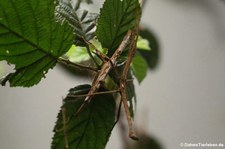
[108, 64]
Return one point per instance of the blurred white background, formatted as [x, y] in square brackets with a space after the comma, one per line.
[181, 101]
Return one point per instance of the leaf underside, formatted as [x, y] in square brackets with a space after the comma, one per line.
[116, 18]
[82, 21]
[31, 39]
[139, 67]
[91, 127]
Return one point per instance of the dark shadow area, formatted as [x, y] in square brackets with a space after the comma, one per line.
[152, 57]
[144, 142]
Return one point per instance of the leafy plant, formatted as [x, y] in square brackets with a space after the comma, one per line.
[35, 35]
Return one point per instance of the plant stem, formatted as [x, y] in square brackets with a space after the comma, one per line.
[68, 62]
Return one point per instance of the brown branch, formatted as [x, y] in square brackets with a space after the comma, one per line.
[123, 79]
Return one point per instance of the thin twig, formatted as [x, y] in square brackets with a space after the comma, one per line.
[91, 56]
[68, 62]
[89, 51]
[92, 45]
[97, 51]
[97, 93]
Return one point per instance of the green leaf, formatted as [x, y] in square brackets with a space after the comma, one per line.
[82, 21]
[91, 127]
[31, 39]
[116, 18]
[143, 44]
[139, 67]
